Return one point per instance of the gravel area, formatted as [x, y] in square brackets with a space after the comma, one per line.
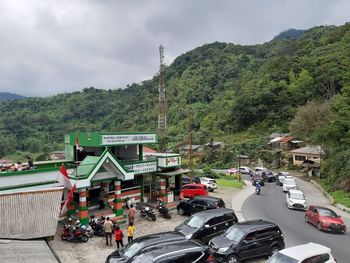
[96, 251]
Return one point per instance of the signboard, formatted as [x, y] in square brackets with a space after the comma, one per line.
[128, 139]
[140, 168]
[169, 161]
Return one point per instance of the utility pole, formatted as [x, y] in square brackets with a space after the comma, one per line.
[162, 122]
[190, 144]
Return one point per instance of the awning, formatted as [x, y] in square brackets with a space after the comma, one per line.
[176, 172]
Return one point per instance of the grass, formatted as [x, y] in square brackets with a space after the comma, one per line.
[229, 183]
[341, 197]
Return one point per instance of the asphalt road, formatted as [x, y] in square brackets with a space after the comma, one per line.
[271, 205]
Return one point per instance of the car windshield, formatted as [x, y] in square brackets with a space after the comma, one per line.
[234, 234]
[130, 250]
[281, 177]
[212, 181]
[281, 258]
[298, 196]
[194, 221]
[327, 212]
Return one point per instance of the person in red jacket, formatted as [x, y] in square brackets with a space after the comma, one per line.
[118, 233]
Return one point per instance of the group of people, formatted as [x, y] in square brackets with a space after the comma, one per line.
[118, 233]
[17, 166]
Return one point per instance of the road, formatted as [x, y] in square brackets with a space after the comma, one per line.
[271, 205]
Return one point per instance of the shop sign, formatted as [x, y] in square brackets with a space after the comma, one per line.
[140, 168]
[128, 139]
[169, 161]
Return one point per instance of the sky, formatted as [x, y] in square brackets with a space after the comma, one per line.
[50, 47]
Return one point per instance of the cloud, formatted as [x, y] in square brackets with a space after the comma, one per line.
[50, 47]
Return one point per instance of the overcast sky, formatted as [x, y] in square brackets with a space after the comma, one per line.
[49, 47]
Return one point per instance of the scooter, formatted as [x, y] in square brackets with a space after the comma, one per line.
[97, 226]
[148, 212]
[257, 191]
[163, 210]
[73, 234]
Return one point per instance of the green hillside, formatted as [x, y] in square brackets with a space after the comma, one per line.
[237, 94]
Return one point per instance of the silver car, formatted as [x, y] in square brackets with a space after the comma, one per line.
[295, 199]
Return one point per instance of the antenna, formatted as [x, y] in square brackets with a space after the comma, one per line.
[162, 123]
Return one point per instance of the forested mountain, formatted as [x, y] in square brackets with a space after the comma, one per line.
[290, 33]
[10, 96]
[230, 89]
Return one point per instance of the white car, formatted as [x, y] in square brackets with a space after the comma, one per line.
[289, 183]
[260, 169]
[310, 252]
[295, 199]
[209, 182]
[244, 169]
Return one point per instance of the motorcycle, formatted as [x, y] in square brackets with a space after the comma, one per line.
[97, 226]
[257, 191]
[74, 234]
[163, 210]
[148, 212]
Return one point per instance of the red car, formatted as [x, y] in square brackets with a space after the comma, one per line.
[324, 219]
[192, 190]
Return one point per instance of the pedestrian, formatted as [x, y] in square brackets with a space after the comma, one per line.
[30, 163]
[108, 227]
[118, 234]
[131, 230]
[131, 214]
[100, 199]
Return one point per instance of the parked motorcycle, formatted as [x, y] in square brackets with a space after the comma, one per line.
[74, 234]
[148, 212]
[163, 210]
[97, 225]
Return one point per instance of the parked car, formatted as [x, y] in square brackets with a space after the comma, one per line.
[310, 252]
[244, 169]
[207, 224]
[192, 190]
[289, 184]
[246, 240]
[324, 219]
[138, 245]
[258, 178]
[279, 179]
[199, 203]
[187, 180]
[268, 176]
[209, 182]
[185, 252]
[260, 169]
[295, 199]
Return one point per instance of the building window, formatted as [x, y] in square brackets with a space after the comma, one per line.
[300, 158]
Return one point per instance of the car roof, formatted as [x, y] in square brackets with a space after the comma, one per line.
[207, 178]
[301, 252]
[171, 248]
[211, 198]
[156, 238]
[207, 214]
[194, 185]
[254, 224]
[293, 191]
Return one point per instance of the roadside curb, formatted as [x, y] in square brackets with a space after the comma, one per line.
[330, 198]
[238, 199]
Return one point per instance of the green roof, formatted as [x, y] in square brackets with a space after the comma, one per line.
[86, 166]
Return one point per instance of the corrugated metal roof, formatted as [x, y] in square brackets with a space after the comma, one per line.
[28, 215]
[309, 150]
[86, 166]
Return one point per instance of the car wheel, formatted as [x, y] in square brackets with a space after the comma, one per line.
[180, 211]
[319, 227]
[274, 250]
[232, 259]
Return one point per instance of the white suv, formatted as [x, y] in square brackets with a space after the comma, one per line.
[310, 252]
[209, 182]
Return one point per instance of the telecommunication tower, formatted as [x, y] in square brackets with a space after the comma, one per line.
[162, 123]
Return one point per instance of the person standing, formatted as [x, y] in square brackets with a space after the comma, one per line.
[100, 199]
[131, 230]
[131, 214]
[30, 163]
[118, 234]
[108, 227]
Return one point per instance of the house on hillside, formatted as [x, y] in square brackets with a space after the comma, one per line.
[185, 149]
[285, 143]
[215, 145]
[306, 153]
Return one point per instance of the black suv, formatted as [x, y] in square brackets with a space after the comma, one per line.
[247, 240]
[199, 203]
[207, 224]
[137, 246]
[268, 176]
[185, 252]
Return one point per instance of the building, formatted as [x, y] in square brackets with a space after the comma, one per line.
[185, 149]
[306, 153]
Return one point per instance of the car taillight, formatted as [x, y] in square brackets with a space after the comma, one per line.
[210, 258]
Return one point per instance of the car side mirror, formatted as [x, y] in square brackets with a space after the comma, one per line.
[206, 226]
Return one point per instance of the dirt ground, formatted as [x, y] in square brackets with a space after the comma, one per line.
[96, 251]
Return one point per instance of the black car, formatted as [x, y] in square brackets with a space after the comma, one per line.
[185, 252]
[137, 246]
[199, 203]
[207, 224]
[268, 176]
[245, 240]
[258, 178]
[187, 180]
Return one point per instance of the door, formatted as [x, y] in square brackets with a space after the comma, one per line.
[263, 238]
[313, 215]
[212, 229]
[248, 246]
[197, 205]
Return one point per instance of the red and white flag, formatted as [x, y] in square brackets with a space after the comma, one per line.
[68, 200]
[63, 177]
[77, 144]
